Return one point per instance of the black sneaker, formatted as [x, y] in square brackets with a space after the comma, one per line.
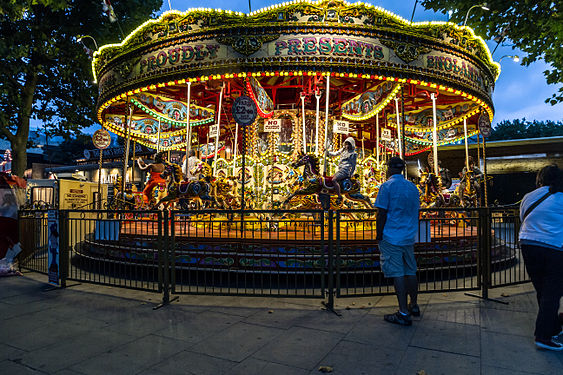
[549, 345]
[414, 310]
[398, 318]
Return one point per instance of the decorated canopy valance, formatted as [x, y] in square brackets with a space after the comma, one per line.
[280, 53]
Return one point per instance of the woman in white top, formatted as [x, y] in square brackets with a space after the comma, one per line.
[541, 241]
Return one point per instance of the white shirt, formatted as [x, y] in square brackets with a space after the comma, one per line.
[401, 200]
[545, 223]
[192, 163]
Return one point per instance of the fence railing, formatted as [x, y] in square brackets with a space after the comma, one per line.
[307, 253]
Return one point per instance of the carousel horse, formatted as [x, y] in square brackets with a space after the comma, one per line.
[178, 188]
[430, 190]
[130, 199]
[432, 196]
[323, 187]
[223, 189]
[468, 191]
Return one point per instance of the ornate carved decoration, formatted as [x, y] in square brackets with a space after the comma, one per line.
[247, 44]
[405, 51]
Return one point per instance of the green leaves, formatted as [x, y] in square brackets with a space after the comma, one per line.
[38, 40]
[521, 129]
[533, 26]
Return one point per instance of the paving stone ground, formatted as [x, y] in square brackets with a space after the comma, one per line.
[91, 329]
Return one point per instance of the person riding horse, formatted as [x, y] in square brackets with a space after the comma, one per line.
[155, 169]
[313, 183]
[190, 166]
[346, 165]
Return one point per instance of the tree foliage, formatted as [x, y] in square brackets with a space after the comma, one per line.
[45, 73]
[68, 150]
[521, 129]
[533, 26]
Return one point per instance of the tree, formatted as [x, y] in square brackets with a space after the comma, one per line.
[520, 129]
[69, 150]
[44, 72]
[533, 26]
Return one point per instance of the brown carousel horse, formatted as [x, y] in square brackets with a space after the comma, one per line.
[323, 187]
[132, 199]
[178, 188]
[206, 190]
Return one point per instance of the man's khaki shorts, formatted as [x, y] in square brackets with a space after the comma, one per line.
[396, 260]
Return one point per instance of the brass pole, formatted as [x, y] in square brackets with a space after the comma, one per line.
[100, 180]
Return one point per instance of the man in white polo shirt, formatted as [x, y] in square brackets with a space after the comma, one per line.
[397, 205]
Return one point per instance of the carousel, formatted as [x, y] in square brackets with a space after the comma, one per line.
[317, 73]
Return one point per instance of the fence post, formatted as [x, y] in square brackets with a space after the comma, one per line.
[337, 254]
[165, 249]
[330, 304]
[484, 256]
[166, 245]
[480, 246]
[322, 252]
[20, 231]
[159, 250]
[63, 247]
[486, 274]
[171, 253]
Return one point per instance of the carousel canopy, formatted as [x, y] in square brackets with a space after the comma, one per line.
[281, 54]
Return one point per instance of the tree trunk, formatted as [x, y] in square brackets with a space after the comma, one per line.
[19, 144]
[19, 156]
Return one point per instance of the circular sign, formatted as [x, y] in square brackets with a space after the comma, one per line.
[101, 139]
[244, 110]
[484, 125]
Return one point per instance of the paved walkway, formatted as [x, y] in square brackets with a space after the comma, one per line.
[89, 329]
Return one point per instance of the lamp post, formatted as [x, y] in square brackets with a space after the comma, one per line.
[80, 38]
[514, 58]
[413, 9]
[482, 6]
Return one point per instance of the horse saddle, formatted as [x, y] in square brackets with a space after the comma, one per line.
[345, 184]
[183, 187]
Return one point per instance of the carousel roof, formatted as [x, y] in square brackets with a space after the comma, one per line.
[281, 53]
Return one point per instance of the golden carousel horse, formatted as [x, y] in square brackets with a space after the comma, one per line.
[468, 191]
[430, 190]
[223, 189]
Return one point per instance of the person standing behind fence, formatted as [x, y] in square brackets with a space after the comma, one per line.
[541, 241]
[397, 205]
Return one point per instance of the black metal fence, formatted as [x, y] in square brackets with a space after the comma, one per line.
[315, 253]
[278, 253]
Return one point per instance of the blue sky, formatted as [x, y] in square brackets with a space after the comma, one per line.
[520, 91]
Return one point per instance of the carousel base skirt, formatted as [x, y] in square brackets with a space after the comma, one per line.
[231, 249]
